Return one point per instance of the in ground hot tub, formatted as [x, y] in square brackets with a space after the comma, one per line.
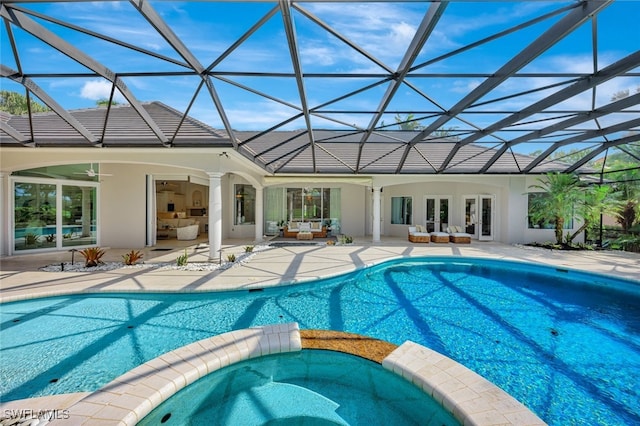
[310, 387]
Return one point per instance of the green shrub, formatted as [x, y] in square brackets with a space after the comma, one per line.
[628, 242]
[346, 239]
[183, 259]
[248, 249]
[231, 257]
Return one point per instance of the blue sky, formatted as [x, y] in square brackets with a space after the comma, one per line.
[384, 30]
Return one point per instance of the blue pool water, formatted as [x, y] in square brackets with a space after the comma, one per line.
[565, 344]
[312, 387]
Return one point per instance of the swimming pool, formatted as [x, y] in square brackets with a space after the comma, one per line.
[569, 350]
[311, 387]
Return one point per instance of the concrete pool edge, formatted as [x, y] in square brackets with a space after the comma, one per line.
[125, 401]
[472, 399]
[78, 289]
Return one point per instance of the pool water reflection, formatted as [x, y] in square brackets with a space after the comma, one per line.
[567, 345]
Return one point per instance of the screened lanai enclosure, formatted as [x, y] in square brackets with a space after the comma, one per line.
[340, 86]
[332, 87]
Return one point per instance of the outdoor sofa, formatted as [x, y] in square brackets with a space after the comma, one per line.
[291, 229]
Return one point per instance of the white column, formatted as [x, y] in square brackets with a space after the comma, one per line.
[376, 214]
[4, 226]
[215, 216]
[259, 214]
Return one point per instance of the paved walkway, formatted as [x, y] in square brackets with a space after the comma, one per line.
[21, 277]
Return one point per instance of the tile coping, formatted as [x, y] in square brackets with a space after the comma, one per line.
[6, 297]
[127, 399]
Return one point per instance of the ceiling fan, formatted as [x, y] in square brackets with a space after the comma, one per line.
[92, 173]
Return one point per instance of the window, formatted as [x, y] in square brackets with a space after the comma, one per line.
[546, 223]
[294, 204]
[78, 215]
[401, 211]
[312, 203]
[302, 204]
[245, 205]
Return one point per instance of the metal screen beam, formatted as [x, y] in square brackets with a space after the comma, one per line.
[423, 32]
[604, 147]
[22, 21]
[16, 135]
[583, 137]
[596, 79]
[292, 41]
[50, 102]
[559, 30]
[616, 106]
[174, 41]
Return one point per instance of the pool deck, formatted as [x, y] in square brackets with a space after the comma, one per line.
[21, 277]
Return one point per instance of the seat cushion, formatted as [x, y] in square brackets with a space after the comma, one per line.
[304, 227]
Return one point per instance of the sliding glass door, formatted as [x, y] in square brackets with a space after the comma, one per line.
[53, 215]
[78, 216]
[310, 204]
[35, 212]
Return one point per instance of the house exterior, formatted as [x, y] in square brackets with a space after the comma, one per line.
[50, 194]
[302, 119]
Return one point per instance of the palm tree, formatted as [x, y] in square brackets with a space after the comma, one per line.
[562, 193]
[597, 200]
[408, 123]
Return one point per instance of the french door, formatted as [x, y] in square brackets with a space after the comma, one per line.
[479, 216]
[437, 212]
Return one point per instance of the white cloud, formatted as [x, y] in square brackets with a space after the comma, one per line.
[318, 55]
[383, 30]
[464, 86]
[95, 90]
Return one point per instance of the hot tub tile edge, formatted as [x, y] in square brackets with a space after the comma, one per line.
[170, 372]
[469, 397]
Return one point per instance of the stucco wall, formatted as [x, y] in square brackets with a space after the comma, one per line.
[456, 190]
[122, 196]
[353, 211]
[122, 207]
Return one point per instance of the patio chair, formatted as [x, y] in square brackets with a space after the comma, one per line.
[418, 235]
[457, 236]
[439, 237]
